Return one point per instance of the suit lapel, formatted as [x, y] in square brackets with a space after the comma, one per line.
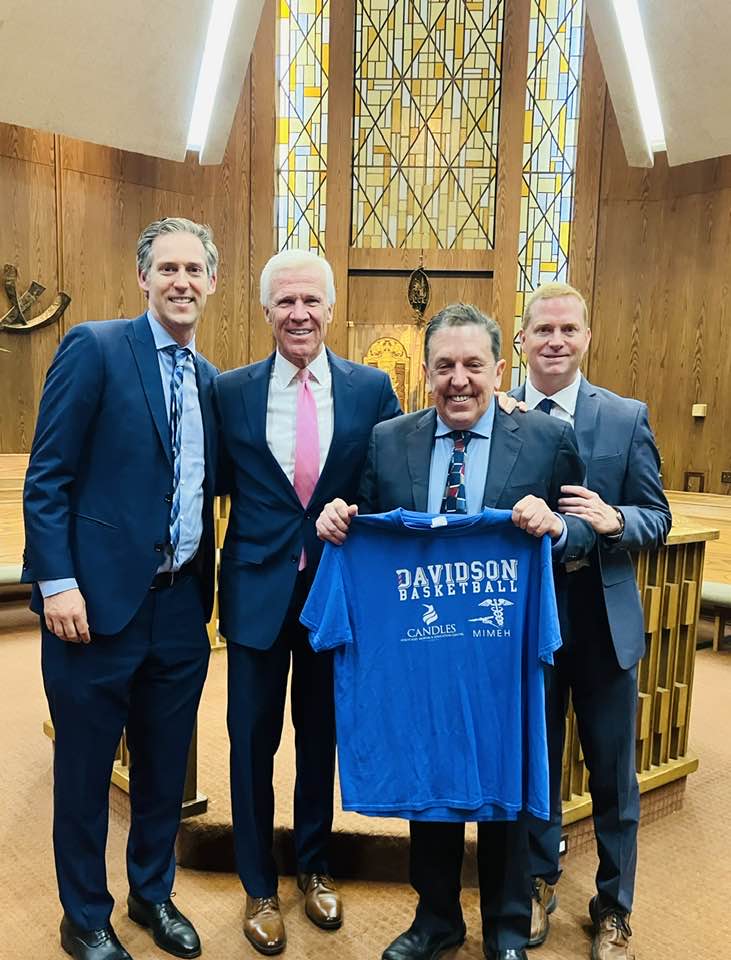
[255, 393]
[504, 449]
[585, 417]
[419, 445]
[148, 367]
[204, 380]
[341, 374]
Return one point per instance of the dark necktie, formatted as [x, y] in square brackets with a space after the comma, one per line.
[179, 355]
[546, 405]
[455, 497]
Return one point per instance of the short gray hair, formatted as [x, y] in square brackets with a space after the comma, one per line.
[290, 260]
[176, 225]
[462, 315]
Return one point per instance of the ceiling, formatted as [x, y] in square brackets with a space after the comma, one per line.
[121, 74]
[689, 46]
[124, 74]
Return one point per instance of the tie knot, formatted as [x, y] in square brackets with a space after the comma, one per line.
[546, 405]
[179, 354]
[461, 436]
[304, 375]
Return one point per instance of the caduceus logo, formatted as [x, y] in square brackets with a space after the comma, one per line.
[497, 612]
[430, 615]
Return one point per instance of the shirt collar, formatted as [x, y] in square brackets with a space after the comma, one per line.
[483, 427]
[566, 398]
[285, 372]
[162, 338]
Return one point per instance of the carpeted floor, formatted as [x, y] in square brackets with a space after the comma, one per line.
[684, 871]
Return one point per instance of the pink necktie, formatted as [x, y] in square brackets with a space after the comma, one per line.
[307, 446]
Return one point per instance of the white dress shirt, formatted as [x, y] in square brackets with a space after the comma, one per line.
[282, 409]
[564, 400]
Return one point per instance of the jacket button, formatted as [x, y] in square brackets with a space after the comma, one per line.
[294, 558]
[159, 547]
[168, 498]
[308, 516]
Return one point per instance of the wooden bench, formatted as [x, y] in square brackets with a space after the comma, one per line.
[12, 474]
[715, 510]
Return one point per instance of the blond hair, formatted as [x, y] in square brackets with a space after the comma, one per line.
[550, 291]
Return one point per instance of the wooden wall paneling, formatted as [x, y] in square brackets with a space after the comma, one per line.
[661, 306]
[339, 163]
[27, 240]
[21, 143]
[224, 331]
[510, 166]
[263, 139]
[390, 258]
[582, 251]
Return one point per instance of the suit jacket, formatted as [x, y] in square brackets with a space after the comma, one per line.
[99, 484]
[623, 466]
[527, 456]
[268, 526]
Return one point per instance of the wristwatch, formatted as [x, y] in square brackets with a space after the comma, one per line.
[614, 537]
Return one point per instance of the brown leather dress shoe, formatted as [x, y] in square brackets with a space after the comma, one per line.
[612, 934]
[263, 924]
[543, 904]
[322, 900]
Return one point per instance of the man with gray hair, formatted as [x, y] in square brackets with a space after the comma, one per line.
[119, 546]
[459, 456]
[294, 433]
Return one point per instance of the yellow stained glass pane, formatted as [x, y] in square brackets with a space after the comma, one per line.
[302, 62]
[555, 45]
[431, 121]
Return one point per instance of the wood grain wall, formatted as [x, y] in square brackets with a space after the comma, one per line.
[71, 213]
[661, 302]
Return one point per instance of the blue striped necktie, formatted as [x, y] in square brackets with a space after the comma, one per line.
[180, 356]
[455, 497]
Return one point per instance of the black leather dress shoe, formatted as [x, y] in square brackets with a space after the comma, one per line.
[415, 944]
[510, 954]
[170, 930]
[99, 944]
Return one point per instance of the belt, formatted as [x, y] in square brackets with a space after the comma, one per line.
[162, 581]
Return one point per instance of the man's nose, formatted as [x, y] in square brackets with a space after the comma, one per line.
[181, 278]
[459, 375]
[299, 310]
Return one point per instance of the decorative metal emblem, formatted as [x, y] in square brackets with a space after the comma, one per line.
[419, 292]
[18, 319]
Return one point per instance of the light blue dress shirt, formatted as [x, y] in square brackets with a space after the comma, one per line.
[477, 459]
[192, 463]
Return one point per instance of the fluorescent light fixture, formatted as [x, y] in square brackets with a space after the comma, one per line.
[219, 27]
[638, 60]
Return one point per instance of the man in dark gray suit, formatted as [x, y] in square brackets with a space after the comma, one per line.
[603, 627]
[514, 462]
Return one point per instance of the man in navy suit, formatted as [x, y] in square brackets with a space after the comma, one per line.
[510, 462]
[604, 638]
[119, 546]
[294, 433]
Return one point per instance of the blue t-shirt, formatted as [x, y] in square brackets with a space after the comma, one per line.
[440, 626]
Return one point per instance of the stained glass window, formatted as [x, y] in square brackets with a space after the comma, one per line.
[301, 139]
[555, 50]
[425, 134]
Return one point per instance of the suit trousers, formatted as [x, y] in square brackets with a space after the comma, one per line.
[435, 866]
[147, 678]
[257, 688]
[604, 698]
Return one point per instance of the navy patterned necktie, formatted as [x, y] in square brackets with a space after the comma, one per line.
[180, 356]
[455, 496]
[546, 405]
